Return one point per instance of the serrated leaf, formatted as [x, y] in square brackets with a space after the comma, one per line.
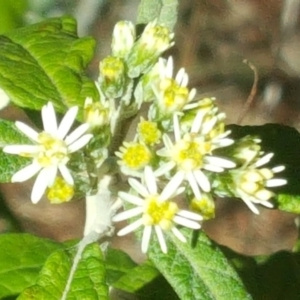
[165, 11]
[201, 272]
[284, 142]
[88, 281]
[21, 258]
[46, 61]
[10, 164]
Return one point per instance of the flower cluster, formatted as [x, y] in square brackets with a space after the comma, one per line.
[180, 145]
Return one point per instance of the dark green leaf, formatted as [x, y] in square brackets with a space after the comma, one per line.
[46, 61]
[21, 258]
[10, 164]
[201, 272]
[88, 281]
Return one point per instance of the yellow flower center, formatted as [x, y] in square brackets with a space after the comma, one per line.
[159, 212]
[60, 191]
[52, 151]
[112, 68]
[136, 156]
[188, 153]
[174, 95]
[149, 133]
[205, 206]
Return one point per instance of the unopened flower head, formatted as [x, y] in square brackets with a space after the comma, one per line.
[148, 132]
[191, 155]
[133, 158]
[251, 183]
[96, 114]
[112, 77]
[51, 151]
[60, 191]
[172, 94]
[158, 211]
[153, 42]
[123, 39]
[205, 206]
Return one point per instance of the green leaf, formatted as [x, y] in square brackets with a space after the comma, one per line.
[137, 278]
[165, 11]
[12, 14]
[21, 258]
[284, 142]
[117, 264]
[201, 272]
[88, 281]
[10, 164]
[46, 61]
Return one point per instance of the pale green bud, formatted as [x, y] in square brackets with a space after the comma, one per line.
[112, 77]
[153, 42]
[123, 39]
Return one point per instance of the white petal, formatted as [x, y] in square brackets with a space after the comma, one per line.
[275, 182]
[194, 185]
[165, 168]
[180, 77]
[28, 131]
[137, 186]
[172, 187]
[220, 162]
[26, 173]
[67, 122]
[80, 143]
[190, 215]
[167, 142]
[146, 238]
[150, 181]
[40, 186]
[76, 134]
[131, 198]
[202, 180]
[176, 129]
[252, 207]
[187, 223]
[223, 142]
[212, 168]
[52, 172]
[266, 204]
[207, 126]
[131, 227]
[124, 215]
[197, 122]
[64, 171]
[264, 160]
[19, 149]
[49, 119]
[161, 239]
[178, 234]
[278, 169]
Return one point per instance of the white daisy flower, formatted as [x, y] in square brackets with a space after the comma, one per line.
[172, 94]
[158, 212]
[251, 183]
[191, 154]
[51, 151]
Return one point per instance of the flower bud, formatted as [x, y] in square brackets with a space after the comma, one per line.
[123, 39]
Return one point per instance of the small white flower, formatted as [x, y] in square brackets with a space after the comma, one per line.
[158, 212]
[191, 154]
[172, 94]
[51, 151]
[251, 183]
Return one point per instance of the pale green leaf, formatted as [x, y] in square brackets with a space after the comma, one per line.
[165, 11]
[21, 258]
[88, 281]
[199, 272]
[46, 61]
